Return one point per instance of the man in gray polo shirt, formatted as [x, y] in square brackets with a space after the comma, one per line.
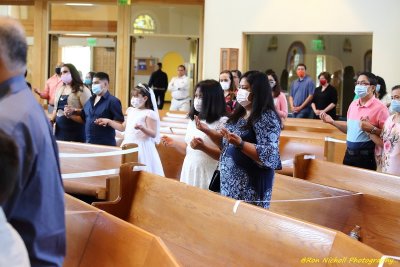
[301, 93]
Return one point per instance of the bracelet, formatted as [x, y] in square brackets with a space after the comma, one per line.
[240, 146]
[373, 130]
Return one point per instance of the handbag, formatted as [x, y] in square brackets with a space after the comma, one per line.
[215, 184]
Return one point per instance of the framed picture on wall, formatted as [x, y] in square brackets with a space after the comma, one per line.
[368, 61]
[229, 58]
[295, 56]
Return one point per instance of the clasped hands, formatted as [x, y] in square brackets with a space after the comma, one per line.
[232, 138]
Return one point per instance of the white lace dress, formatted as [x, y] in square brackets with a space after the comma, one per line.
[148, 154]
[198, 167]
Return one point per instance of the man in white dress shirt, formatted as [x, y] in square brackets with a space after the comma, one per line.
[179, 87]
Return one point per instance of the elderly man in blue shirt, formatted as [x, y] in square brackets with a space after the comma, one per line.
[36, 206]
[101, 105]
[301, 93]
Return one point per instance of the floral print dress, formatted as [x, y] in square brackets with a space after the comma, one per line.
[241, 177]
[388, 156]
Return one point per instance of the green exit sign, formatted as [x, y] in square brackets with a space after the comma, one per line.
[91, 41]
[317, 45]
[124, 2]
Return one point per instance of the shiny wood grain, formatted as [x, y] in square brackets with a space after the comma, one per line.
[201, 228]
[95, 238]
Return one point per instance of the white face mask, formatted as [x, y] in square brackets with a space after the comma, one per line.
[361, 90]
[225, 85]
[197, 104]
[137, 102]
[272, 84]
[243, 97]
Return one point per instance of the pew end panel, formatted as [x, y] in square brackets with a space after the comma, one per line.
[334, 150]
[172, 161]
[121, 206]
[95, 238]
[131, 157]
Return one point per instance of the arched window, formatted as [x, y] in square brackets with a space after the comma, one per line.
[144, 24]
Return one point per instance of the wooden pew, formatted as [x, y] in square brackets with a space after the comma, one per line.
[307, 125]
[95, 238]
[292, 143]
[379, 208]
[202, 229]
[334, 150]
[319, 204]
[100, 187]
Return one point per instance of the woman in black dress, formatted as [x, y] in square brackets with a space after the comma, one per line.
[325, 97]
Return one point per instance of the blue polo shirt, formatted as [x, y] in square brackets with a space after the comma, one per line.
[108, 107]
[36, 207]
[301, 89]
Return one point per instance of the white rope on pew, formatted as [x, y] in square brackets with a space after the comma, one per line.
[330, 139]
[89, 174]
[100, 154]
[236, 206]
[389, 259]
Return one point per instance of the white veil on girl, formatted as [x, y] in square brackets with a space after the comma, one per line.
[155, 108]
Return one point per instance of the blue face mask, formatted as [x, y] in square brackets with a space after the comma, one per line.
[395, 105]
[96, 89]
[87, 81]
[378, 87]
[361, 90]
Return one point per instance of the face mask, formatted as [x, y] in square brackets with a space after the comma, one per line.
[395, 105]
[197, 104]
[137, 102]
[301, 73]
[87, 81]
[322, 82]
[66, 78]
[96, 89]
[225, 85]
[378, 87]
[243, 97]
[272, 84]
[58, 70]
[361, 90]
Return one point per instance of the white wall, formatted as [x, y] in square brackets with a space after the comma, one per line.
[225, 22]
[157, 47]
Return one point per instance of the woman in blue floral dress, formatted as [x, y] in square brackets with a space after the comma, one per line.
[249, 143]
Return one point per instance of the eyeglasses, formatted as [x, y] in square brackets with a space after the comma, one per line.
[362, 83]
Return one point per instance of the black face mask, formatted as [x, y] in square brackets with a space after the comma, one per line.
[58, 70]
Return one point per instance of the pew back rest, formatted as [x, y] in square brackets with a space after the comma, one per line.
[201, 228]
[95, 238]
[315, 203]
[347, 177]
[100, 187]
[379, 207]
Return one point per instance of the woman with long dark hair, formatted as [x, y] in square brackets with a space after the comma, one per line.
[229, 87]
[71, 95]
[280, 101]
[249, 143]
[201, 154]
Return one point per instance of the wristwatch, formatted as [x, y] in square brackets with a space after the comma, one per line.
[240, 146]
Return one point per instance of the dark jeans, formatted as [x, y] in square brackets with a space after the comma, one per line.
[160, 95]
[360, 158]
[304, 113]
